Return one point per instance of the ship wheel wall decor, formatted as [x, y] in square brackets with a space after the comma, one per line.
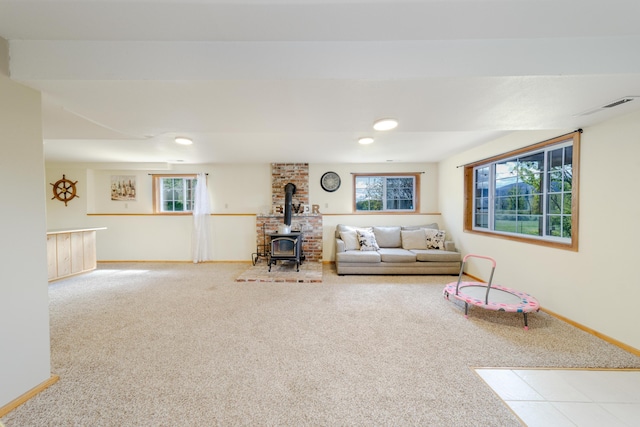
[64, 190]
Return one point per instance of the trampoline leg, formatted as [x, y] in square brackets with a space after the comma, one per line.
[466, 310]
[526, 325]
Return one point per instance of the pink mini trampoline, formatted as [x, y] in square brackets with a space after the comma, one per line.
[490, 297]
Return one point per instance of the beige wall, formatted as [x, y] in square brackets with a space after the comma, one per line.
[337, 206]
[595, 286]
[4, 57]
[24, 303]
[134, 234]
[341, 201]
[238, 192]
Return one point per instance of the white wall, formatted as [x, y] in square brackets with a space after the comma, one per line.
[24, 303]
[595, 286]
[238, 192]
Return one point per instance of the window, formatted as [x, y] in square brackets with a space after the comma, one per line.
[529, 194]
[386, 192]
[173, 193]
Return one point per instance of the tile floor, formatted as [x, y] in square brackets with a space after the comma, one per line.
[568, 397]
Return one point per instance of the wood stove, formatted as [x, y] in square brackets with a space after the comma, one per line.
[286, 247]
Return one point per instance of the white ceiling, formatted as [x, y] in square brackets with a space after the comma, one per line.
[301, 80]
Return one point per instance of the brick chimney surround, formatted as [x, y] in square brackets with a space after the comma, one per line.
[305, 218]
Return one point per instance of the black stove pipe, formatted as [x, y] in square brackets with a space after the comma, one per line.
[289, 191]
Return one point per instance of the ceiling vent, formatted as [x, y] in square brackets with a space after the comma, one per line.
[609, 105]
[618, 102]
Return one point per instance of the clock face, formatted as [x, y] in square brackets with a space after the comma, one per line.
[330, 181]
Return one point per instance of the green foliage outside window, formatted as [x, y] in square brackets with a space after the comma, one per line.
[530, 194]
[385, 193]
[177, 194]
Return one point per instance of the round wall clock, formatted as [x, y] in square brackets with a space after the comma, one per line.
[330, 181]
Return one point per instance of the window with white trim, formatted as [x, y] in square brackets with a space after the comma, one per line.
[529, 194]
[386, 192]
[173, 193]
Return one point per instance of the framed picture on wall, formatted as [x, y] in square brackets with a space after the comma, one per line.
[123, 187]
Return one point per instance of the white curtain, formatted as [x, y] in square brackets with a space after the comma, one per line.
[201, 237]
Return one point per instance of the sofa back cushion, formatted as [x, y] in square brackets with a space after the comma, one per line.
[433, 225]
[414, 239]
[388, 237]
[350, 239]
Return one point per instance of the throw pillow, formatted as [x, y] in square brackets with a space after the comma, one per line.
[435, 238]
[350, 239]
[414, 239]
[367, 241]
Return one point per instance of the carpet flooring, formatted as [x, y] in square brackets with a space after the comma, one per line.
[140, 344]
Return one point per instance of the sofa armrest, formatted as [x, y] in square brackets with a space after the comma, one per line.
[450, 246]
[339, 245]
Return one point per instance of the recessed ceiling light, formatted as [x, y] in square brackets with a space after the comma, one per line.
[183, 141]
[385, 124]
[365, 140]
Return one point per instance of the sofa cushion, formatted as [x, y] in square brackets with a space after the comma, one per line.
[342, 227]
[396, 255]
[414, 239]
[436, 255]
[367, 241]
[435, 238]
[433, 226]
[388, 237]
[350, 239]
[358, 256]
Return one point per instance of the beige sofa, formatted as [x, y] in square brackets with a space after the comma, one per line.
[395, 250]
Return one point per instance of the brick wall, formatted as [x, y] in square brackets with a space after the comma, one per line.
[309, 224]
[284, 173]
